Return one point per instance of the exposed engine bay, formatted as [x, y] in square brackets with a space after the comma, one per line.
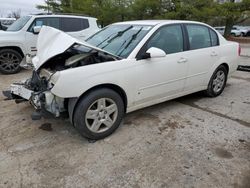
[76, 56]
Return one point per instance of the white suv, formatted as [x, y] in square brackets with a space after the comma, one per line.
[234, 31]
[19, 41]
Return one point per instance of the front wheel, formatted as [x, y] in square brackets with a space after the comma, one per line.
[99, 113]
[10, 61]
[217, 82]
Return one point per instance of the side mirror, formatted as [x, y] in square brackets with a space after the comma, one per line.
[154, 53]
[37, 29]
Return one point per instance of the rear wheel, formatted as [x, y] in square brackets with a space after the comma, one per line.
[99, 113]
[10, 61]
[217, 82]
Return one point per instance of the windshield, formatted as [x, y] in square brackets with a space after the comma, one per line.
[19, 24]
[119, 40]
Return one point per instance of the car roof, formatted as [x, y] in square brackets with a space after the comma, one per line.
[155, 22]
[60, 15]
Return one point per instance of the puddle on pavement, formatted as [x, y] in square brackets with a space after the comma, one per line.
[46, 127]
[138, 118]
[240, 78]
[246, 180]
[191, 102]
[222, 153]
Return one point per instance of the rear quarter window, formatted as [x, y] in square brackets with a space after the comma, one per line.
[214, 38]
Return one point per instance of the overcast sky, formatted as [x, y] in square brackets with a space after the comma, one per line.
[26, 6]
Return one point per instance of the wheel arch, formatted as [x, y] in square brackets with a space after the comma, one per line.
[16, 48]
[214, 68]
[225, 65]
[72, 102]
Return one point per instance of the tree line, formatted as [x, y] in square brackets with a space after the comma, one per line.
[212, 12]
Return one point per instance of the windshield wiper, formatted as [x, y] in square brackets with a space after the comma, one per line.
[134, 36]
[119, 34]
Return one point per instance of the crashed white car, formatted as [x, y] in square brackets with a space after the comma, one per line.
[124, 67]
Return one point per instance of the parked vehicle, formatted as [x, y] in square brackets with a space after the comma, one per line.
[242, 29]
[18, 43]
[6, 22]
[124, 67]
[234, 31]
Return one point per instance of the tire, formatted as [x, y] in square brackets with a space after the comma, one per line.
[93, 119]
[233, 34]
[10, 61]
[217, 82]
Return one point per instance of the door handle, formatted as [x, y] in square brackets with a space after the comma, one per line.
[182, 60]
[213, 54]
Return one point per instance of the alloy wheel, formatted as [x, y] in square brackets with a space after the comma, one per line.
[101, 115]
[218, 81]
[9, 61]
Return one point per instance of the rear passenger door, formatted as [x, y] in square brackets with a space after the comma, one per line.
[76, 27]
[203, 54]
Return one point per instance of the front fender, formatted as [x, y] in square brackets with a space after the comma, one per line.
[72, 83]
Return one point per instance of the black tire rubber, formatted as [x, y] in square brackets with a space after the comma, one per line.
[83, 105]
[18, 55]
[210, 92]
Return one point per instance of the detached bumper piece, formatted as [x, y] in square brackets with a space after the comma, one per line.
[8, 95]
[20, 90]
[244, 68]
[45, 103]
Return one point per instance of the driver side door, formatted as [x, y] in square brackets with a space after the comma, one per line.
[161, 78]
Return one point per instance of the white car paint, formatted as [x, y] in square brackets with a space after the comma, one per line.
[167, 81]
[146, 81]
[26, 41]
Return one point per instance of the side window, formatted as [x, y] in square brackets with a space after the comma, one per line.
[37, 22]
[53, 22]
[168, 38]
[199, 37]
[214, 38]
[72, 24]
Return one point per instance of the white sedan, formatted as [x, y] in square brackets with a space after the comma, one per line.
[124, 67]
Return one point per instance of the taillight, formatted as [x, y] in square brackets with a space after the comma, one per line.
[239, 50]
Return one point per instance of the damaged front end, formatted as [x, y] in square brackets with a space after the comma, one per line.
[36, 90]
[51, 59]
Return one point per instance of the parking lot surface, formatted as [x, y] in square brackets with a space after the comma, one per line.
[192, 141]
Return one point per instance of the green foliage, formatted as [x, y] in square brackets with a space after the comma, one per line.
[50, 6]
[232, 13]
[109, 11]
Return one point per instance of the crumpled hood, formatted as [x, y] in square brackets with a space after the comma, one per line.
[52, 42]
